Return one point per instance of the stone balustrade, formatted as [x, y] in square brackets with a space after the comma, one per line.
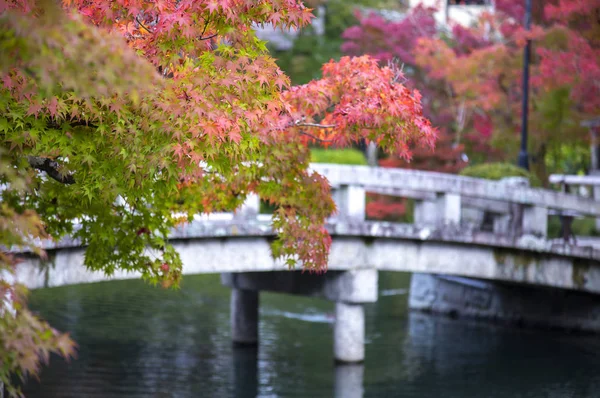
[443, 200]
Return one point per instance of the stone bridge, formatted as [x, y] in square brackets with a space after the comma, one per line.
[476, 248]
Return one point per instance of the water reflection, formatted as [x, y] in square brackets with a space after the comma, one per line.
[245, 371]
[458, 353]
[349, 381]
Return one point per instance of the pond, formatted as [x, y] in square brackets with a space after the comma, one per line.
[139, 341]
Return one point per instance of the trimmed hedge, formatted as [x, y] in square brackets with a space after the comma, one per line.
[348, 156]
[497, 171]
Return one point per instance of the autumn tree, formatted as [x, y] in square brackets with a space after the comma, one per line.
[393, 42]
[122, 119]
[487, 77]
[471, 76]
[312, 47]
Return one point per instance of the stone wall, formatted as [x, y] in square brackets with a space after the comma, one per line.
[506, 303]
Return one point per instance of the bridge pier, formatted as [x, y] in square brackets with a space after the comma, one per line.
[529, 306]
[244, 317]
[348, 289]
[349, 333]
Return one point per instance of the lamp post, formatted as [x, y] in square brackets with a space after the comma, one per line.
[523, 155]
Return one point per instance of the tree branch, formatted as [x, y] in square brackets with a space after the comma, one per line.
[314, 137]
[208, 37]
[204, 31]
[73, 123]
[51, 168]
[298, 123]
[142, 25]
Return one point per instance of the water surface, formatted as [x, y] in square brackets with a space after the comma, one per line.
[139, 341]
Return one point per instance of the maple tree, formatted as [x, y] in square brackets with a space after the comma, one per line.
[471, 76]
[564, 74]
[314, 46]
[394, 42]
[124, 118]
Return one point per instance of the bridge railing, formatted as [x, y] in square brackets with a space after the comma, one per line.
[441, 199]
[455, 206]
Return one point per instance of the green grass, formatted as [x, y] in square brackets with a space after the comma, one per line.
[347, 156]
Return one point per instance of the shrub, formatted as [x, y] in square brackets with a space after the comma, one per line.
[338, 156]
[497, 171]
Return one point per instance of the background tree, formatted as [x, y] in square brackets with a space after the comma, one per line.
[394, 42]
[121, 120]
[564, 77]
[471, 77]
[312, 48]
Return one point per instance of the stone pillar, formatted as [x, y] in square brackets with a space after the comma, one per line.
[535, 221]
[444, 210]
[596, 194]
[244, 317]
[351, 202]
[348, 289]
[349, 333]
[349, 381]
[425, 213]
[511, 222]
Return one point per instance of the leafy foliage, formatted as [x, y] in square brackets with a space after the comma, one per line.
[471, 76]
[498, 171]
[25, 340]
[124, 119]
[395, 42]
[312, 48]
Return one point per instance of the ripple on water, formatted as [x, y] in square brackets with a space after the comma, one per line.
[139, 341]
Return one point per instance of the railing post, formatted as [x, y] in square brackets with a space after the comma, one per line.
[596, 196]
[450, 206]
[444, 210]
[351, 202]
[502, 222]
[425, 212]
[511, 223]
[535, 221]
